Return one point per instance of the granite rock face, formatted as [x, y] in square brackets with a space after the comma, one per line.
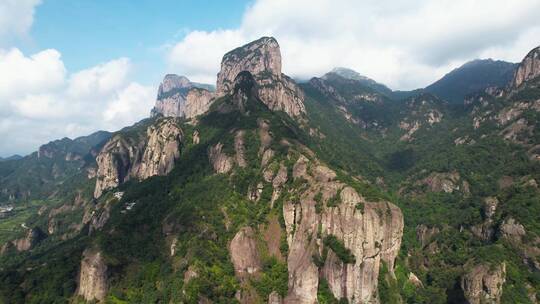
[162, 149]
[484, 284]
[179, 97]
[371, 231]
[126, 157]
[528, 69]
[244, 253]
[93, 276]
[262, 58]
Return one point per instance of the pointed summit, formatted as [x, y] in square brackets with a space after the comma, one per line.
[262, 58]
[179, 97]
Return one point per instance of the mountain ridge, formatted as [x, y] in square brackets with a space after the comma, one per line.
[326, 191]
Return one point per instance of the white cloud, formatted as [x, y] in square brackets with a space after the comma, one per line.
[403, 44]
[134, 100]
[16, 18]
[21, 75]
[198, 54]
[40, 101]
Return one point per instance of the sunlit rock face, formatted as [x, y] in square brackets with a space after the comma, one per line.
[262, 58]
[528, 69]
[179, 97]
[125, 157]
[93, 276]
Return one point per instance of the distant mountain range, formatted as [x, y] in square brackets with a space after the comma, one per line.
[12, 157]
[474, 76]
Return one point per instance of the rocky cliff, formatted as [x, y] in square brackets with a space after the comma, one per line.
[262, 58]
[93, 276]
[484, 284]
[528, 69]
[138, 156]
[348, 236]
[179, 97]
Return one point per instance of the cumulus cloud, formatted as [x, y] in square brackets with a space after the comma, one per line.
[16, 18]
[40, 101]
[401, 43]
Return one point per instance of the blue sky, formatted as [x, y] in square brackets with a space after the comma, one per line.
[88, 32]
[71, 67]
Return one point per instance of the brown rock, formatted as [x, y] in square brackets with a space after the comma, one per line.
[484, 284]
[244, 254]
[221, 162]
[528, 69]
[262, 58]
[93, 276]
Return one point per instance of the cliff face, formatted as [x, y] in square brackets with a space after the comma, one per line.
[179, 97]
[528, 69]
[262, 58]
[93, 276]
[162, 149]
[329, 210]
[484, 284]
[124, 157]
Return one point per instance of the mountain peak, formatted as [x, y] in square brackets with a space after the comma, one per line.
[528, 69]
[471, 77]
[366, 81]
[349, 73]
[179, 97]
[173, 82]
[262, 59]
[260, 56]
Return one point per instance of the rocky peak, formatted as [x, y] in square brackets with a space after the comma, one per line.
[179, 97]
[528, 69]
[173, 82]
[262, 58]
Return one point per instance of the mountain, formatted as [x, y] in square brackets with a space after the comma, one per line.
[528, 69]
[12, 157]
[473, 76]
[179, 97]
[270, 191]
[368, 82]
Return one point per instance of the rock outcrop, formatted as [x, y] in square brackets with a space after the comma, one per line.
[221, 162]
[179, 97]
[162, 149]
[448, 182]
[329, 209]
[32, 237]
[262, 58]
[425, 235]
[93, 276]
[125, 157]
[485, 230]
[244, 253]
[528, 69]
[484, 284]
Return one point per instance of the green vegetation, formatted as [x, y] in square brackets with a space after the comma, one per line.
[343, 253]
[274, 277]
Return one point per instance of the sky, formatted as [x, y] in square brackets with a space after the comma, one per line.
[72, 67]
